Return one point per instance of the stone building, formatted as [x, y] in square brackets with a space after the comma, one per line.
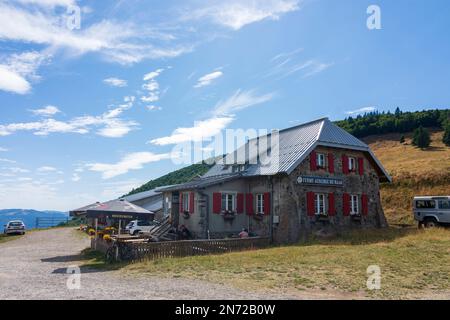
[319, 177]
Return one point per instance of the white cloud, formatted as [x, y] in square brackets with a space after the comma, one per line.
[132, 161]
[153, 108]
[109, 124]
[124, 43]
[13, 82]
[361, 110]
[15, 170]
[236, 14]
[222, 117]
[207, 79]
[46, 169]
[49, 3]
[241, 100]
[7, 160]
[152, 75]
[19, 69]
[3, 149]
[47, 111]
[76, 177]
[151, 86]
[115, 82]
[200, 131]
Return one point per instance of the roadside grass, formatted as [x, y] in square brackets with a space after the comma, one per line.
[5, 238]
[415, 172]
[412, 262]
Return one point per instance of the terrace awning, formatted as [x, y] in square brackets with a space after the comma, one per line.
[115, 209]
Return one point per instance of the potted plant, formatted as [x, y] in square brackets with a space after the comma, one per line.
[228, 215]
[258, 216]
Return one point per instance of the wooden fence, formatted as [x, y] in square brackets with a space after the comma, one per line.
[170, 249]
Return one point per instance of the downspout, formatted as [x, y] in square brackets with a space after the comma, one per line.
[271, 209]
[206, 213]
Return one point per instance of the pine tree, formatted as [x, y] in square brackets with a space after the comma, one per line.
[446, 138]
[402, 139]
[421, 138]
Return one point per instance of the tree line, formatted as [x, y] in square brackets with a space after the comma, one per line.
[374, 123]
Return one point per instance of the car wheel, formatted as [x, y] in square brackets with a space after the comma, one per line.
[136, 232]
[431, 223]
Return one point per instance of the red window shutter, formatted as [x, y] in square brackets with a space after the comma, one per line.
[181, 202]
[346, 204]
[344, 164]
[331, 163]
[365, 204]
[331, 206]
[267, 203]
[313, 161]
[310, 203]
[240, 203]
[361, 166]
[249, 204]
[217, 202]
[191, 202]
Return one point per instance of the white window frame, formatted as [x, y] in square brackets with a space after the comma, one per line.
[354, 204]
[320, 160]
[351, 164]
[226, 195]
[320, 204]
[186, 201]
[260, 203]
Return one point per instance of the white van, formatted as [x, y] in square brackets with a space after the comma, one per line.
[432, 211]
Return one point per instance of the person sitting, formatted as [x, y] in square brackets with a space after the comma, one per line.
[184, 233]
[243, 234]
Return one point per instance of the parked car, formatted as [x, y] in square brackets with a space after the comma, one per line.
[139, 226]
[14, 227]
[432, 211]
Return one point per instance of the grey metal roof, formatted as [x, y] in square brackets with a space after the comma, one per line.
[142, 195]
[203, 182]
[295, 144]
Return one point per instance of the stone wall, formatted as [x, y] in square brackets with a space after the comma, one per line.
[291, 199]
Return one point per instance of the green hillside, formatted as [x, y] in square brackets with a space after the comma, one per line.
[179, 176]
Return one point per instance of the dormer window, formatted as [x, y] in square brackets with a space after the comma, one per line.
[320, 160]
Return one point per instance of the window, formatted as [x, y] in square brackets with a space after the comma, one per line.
[320, 160]
[186, 198]
[354, 204]
[229, 202]
[425, 204]
[319, 203]
[260, 203]
[444, 204]
[351, 164]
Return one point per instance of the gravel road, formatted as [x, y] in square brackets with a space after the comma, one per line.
[35, 267]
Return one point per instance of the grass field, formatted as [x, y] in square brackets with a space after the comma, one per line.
[415, 172]
[414, 264]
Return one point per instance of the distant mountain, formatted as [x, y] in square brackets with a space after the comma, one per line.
[28, 216]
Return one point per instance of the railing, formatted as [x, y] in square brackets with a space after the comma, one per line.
[170, 249]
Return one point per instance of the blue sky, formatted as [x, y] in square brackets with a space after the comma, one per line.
[87, 114]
